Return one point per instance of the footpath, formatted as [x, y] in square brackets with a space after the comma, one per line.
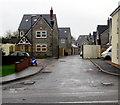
[106, 67]
[30, 71]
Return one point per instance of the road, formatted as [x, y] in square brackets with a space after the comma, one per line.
[69, 79]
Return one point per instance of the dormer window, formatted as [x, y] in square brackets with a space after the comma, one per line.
[26, 20]
[35, 20]
[21, 33]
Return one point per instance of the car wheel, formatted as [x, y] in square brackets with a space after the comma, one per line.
[107, 58]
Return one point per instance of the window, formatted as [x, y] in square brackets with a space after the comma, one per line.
[26, 20]
[44, 34]
[38, 34]
[62, 40]
[41, 47]
[44, 48]
[41, 34]
[38, 48]
[21, 33]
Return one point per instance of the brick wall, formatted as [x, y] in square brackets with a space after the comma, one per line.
[22, 64]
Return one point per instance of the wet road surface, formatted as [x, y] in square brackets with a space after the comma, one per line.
[68, 79]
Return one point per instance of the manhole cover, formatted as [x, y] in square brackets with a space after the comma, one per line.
[28, 82]
[107, 84]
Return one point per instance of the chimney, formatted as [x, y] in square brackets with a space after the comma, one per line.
[108, 22]
[51, 17]
[51, 14]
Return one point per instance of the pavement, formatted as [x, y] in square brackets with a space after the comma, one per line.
[29, 71]
[106, 67]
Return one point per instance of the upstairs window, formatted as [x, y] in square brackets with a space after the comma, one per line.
[41, 34]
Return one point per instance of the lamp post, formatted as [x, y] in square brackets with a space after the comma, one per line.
[32, 34]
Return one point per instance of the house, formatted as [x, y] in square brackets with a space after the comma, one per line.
[82, 40]
[65, 41]
[105, 39]
[38, 35]
[90, 39]
[95, 37]
[100, 30]
[116, 35]
[7, 48]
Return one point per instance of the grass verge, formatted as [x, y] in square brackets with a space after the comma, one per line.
[7, 69]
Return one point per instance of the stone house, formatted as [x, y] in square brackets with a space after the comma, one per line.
[38, 35]
[82, 40]
[65, 41]
[116, 35]
[100, 30]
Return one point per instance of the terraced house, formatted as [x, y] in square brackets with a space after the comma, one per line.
[38, 35]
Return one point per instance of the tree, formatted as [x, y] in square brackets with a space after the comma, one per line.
[10, 37]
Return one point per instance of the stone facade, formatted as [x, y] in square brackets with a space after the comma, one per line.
[42, 39]
[65, 41]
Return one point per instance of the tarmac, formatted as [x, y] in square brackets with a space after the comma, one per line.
[106, 67]
[102, 65]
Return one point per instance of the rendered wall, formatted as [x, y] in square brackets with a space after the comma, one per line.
[91, 51]
[114, 39]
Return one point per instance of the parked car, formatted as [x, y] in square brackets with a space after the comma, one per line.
[107, 54]
[20, 54]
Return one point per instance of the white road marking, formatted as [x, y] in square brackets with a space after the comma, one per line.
[84, 102]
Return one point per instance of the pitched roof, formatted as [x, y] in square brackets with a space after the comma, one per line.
[101, 28]
[115, 11]
[82, 38]
[64, 32]
[26, 20]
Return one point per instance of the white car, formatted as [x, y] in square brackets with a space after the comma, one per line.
[107, 54]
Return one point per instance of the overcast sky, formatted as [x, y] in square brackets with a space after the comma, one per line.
[82, 16]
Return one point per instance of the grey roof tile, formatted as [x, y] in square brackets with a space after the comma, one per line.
[26, 20]
[64, 32]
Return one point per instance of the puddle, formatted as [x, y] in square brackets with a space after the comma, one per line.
[46, 72]
[91, 70]
[62, 61]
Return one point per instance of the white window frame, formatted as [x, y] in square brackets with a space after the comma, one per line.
[41, 47]
[41, 34]
[37, 34]
[21, 33]
[44, 48]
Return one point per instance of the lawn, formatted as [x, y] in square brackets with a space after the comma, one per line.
[7, 69]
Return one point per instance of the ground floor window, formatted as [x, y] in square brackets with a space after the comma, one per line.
[41, 48]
